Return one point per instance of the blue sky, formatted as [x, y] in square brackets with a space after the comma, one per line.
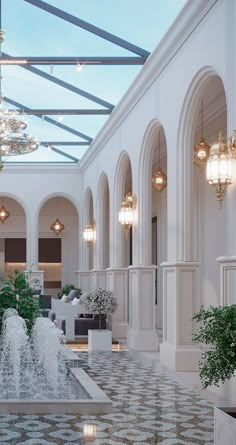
[33, 32]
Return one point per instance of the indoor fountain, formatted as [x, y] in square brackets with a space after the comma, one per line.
[36, 375]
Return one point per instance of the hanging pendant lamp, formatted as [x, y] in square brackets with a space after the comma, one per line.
[57, 227]
[202, 149]
[159, 179]
[4, 214]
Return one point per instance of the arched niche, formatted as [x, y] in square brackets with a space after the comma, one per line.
[103, 222]
[12, 236]
[58, 254]
[204, 234]
[123, 185]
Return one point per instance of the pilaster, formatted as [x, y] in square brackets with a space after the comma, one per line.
[142, 335]
[181, 295]
[117, 282]
[227, 279]
[98, 279]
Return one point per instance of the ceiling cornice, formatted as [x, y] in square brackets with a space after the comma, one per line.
[38, 168]
[186, 22]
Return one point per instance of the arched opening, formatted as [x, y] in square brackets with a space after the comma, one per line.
[123, 185]
[58, 255]
[159, 219]
[209, 235]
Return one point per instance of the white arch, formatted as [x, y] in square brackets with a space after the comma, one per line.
[116, 235]
[185, 140]
[145, 190]
[59, 195]
[17, 199]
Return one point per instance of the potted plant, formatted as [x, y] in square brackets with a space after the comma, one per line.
[65, 290]
[16, 293]
[217, 330]
[100, 302]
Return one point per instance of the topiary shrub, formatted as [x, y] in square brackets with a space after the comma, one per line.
[218, 330]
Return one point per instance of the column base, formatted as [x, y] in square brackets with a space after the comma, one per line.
[180, 358]
[142, 340]
[119, 330]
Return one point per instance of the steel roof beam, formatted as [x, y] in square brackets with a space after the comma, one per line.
[45, 60]
[89, 27]
[48, 119]
[65, 112]
[66, 85]
[62, 153]
[65, 143]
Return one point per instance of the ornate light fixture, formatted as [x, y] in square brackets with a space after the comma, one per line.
[57, 227]
[232, 144]
[89, 234]
[202, 149]
[4, 214]
[159, 179]
[13, 140]
[219, 168]
[126, 213]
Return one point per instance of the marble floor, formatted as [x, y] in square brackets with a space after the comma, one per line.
[151, 406]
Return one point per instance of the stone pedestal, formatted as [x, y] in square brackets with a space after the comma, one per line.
[117, 282]
[99, 340]
[181, 299]
[84, 280]
[142, 334]
[35, 274]
[98, 279]
[227, 279]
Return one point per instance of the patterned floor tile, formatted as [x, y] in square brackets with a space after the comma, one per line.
[149, 408]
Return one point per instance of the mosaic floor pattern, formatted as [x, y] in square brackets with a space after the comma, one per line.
[149, 408]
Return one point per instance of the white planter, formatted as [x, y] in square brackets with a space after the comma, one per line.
[99, 340]
[224, 426]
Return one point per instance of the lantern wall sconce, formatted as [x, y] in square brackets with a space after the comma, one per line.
[126, 213]
[89, 234]
[219, 167]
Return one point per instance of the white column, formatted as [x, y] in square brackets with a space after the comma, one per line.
[228, 262]
[142, 335]
[32, 240]
[181, 293]
[117, 282]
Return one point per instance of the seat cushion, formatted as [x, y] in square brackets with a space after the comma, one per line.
[73, 294]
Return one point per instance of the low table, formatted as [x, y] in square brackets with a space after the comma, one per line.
[99, 340]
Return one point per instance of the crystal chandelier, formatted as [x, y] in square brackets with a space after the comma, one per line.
[13, 140]
[159, 179]
[202, 149]
[89, 234]
[219, 168]
[126, 213]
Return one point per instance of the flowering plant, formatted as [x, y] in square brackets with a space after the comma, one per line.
[100, 301]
